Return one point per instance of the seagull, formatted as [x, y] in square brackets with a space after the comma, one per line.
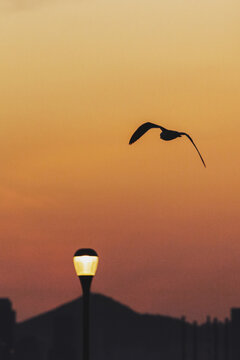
[165, 135]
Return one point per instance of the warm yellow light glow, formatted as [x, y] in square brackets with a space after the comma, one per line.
[85, 265]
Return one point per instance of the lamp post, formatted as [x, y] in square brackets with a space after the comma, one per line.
[85, 263]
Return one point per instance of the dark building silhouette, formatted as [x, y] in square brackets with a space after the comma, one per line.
[195, 341]
[184, 337]
[235, 334]
[7, 325]
[226, 340]
[29, 348]
[116, 333]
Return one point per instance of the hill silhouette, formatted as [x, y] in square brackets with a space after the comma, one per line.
[116, 332]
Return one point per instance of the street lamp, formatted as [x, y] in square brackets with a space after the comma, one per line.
[85, 263]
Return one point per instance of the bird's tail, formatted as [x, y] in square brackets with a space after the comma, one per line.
[182, 133]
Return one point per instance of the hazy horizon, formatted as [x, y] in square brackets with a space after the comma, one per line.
[114, 300]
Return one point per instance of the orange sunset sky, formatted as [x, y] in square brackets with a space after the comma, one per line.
[77, 78]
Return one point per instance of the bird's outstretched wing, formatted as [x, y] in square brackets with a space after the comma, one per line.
[141, 131]
[182, 133]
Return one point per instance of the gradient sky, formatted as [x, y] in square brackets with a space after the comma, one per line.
[77, 78]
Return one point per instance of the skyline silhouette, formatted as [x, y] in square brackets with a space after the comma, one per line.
[116, 331]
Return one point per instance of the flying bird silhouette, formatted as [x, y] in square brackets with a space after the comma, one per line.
[165, 135]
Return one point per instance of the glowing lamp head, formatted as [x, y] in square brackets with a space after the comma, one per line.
[85, 262]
